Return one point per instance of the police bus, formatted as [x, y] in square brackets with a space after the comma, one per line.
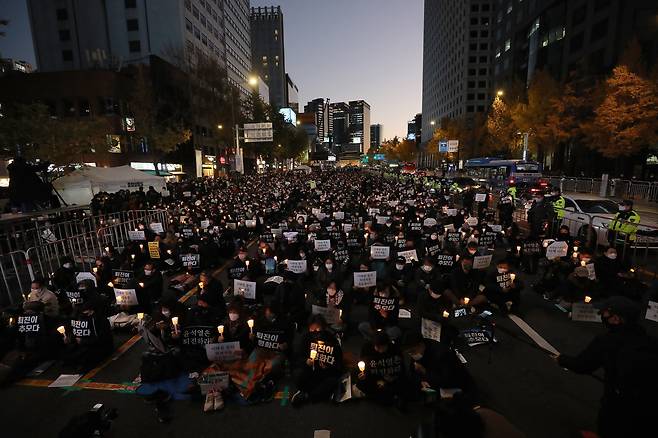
[499, 172]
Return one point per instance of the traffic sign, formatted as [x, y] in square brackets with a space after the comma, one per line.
[443, 146]
[453, 146]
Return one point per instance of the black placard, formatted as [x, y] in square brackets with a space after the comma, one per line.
[198, 336]
[29, 324]
[446, 260]
[382, 303]
[122, 278]
[83, 328]
[191, 260]
[453, 236]
[270, 340]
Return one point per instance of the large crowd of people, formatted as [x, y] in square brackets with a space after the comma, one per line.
[406, 269]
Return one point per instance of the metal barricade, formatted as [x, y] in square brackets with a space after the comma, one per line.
[17, 275]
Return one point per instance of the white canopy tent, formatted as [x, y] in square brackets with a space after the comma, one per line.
[80, 186]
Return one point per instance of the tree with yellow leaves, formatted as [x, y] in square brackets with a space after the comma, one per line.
[401, 150]
[626, 121]
[501, 129]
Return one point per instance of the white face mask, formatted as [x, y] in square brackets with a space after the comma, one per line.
[427, 268]
[612, 256]
[315, 268]
[67, 265]
[434, 237]
[233, 316]
[147, 272]
[242, 256]
[399, 267]
[166, 313]
[502, 271]
[329, 266]
[34, 291]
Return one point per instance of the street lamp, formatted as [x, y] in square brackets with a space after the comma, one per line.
[500, 93]
[432, 123]
[220, 126]
[253, 81]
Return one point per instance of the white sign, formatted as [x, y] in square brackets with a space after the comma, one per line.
[347, 228]
[584, 312]
[379, 252]
[591, 272]
[496, 228]
[246, 289]
[250, 223]
[223, 351]
[278, 232]
[404, 313]
[452, 212]
[429, 222]
[330, 314]
[290, 235]
[136, 235]
[205, 223]
[322, 245]
[556, 250]
[157, 227]
[80, 276]
[340, 215]
[373, 211]
[382, 219]
[652, 311]
[453, 146]
[126, 297]
[430, 329]
[297, 266]
[365, 279]
[315, 211]
[472, 221]
[409, 256]
[482, 262]
[480, 197]
[258, 132]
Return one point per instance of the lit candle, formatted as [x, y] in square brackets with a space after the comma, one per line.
[95, 269]
[275, 259]
[247, 263]
[518, 248]
[141, 246]
[119, 299]
[575, 248]
[140, 316]
[174, 322]
[169, 251]
[583, 263]
[575, 255]
[314, 354]
[632, 270]
[107, 249]
[446, 314]
[250, 323]
[201, 285]
[512, 276]
[264, 250]
[132, 256]
[588, 299]
[457, 257]
[545, 244]
[141, 285]
[110, 284]
[362, 366]
[61, 330]
[220, 329]
[11, 321]
[466, 300]
[340, 313]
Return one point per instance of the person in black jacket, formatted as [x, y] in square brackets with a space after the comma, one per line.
[382, 314]
[213, 291]
[149, 281]
[289, 299]
[89, 337]
[540, 216]
[629, 357]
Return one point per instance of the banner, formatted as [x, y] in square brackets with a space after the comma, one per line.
[269, 340]
[121, 278]
[379, 252]
[154, 250]
[223, 351]
[322, 245]
[191, 260]
[556, 250]
[193, 336]
[243, 288]
[324, 353]
[409, 256]
[482, 262]
[136, 235]
[365, 279]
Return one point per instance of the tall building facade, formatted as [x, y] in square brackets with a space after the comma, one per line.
[293, 94]
[561, 36]
[360, 126]
[339, 125]
[320, 108]
[92, 34]
[456, 59]
[376, 136]
[267, 51]
[414, 128]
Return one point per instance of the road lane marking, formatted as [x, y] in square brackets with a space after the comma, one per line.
[540, 341]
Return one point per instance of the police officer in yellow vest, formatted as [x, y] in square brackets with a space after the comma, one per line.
[511, 191]
[558, 203]
[625, 221]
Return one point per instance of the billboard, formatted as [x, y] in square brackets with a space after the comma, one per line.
[289, 115]
[258, 132]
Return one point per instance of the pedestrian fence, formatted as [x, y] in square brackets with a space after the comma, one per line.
[616, 188]
[83, 241]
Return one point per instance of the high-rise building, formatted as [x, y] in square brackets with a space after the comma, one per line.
[414, 128]
[81, 35]
[456, 59]
[360, 126]
[293, 94]
[8, 65]
[563, 36]
[339, 125]
[267, 51]
[319, 107]
[376, 136]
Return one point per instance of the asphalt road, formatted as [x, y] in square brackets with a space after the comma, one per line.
[513, 378]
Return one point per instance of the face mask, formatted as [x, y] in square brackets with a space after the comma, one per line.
[233, 316]
[315, 268]
[426, 268]
[329, 266]
[612, 256]
[34, 291]
[416, 356]
[399, 267]
[166, 313]
[67, 265]
[435, 295]
[147, 272]
[502, 271]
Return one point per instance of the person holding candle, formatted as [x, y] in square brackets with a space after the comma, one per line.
[382, 313]
[40, 293]
[235, 328]
[322, 363]
[151, 285]
[334, 297]
[89, 338]
[503, 288]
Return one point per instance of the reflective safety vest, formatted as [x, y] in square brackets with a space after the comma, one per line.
[512, 192]
[626, 222]
[558, 207]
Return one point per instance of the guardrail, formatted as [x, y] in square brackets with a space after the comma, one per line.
[18, 268]
[617, 188]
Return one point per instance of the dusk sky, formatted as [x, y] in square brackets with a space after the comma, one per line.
[338, 49]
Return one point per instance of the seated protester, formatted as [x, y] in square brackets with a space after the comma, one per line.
[425, 275]
[401, 275]
[333, 297]
[236, 328]
[161, 316]
[328, 271]
[383, 377]
[240, 266]
[198, 329]
[434, 366]
[432, 304]
[360, 294]
[563, 235]
[577, 286]
[470, 251]
[289, 297]
[382, 314]
[381, 267]
[213, 291]
[39, 292]
[104, 276]
[36, 339]
[465, 284]
[89, 337]
[149, 281]
[84, 291]
[609, 272]
[503, 289]
[64, 280]
[323, 363]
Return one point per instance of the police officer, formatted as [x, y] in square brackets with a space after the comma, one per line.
[628, 357]
[625, 222]
[511, 191]
[558, 203]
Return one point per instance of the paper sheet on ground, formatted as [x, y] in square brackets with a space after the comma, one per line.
[65, 380]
